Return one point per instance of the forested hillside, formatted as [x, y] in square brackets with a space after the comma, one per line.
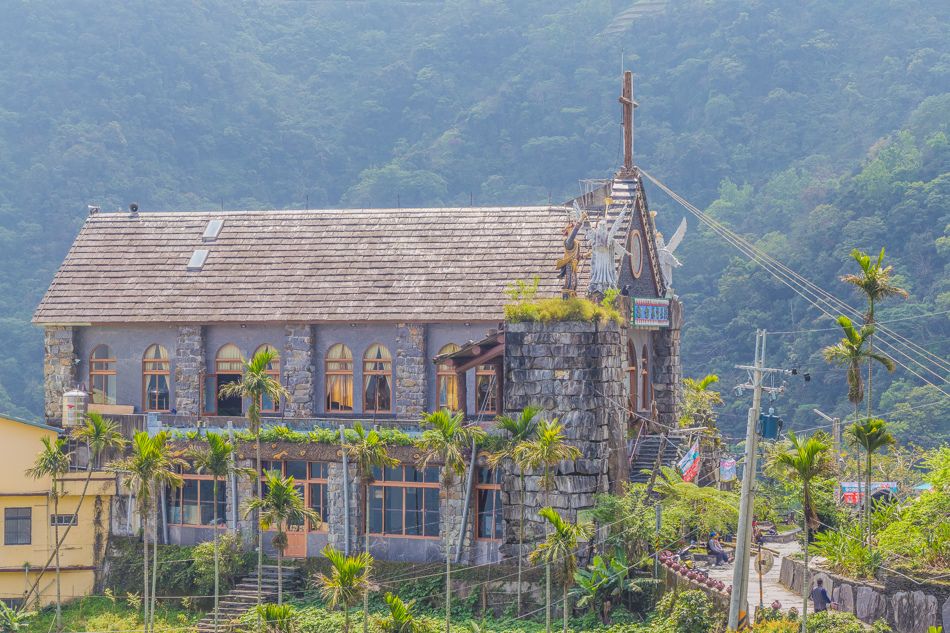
[783, 117]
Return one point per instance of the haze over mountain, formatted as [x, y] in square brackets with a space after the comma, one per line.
[811, 128]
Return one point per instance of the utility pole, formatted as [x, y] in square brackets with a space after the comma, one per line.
[740, 575]
[835, 432]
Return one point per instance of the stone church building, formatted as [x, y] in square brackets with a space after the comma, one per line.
[151, 313]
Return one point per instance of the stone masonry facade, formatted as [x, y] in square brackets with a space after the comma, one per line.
[336, 522]
[59, 369]
[189, 366]
[411, 384]
[667, 368]
[574, 372]
[298, 358]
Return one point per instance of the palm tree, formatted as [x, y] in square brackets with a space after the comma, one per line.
[803, 460]
[349, 578]
[218, 461]
[872, 436]
[875, 282]
[549, 448]
[368, 451]
[402, 617]
[53, 462]
[99, 434]
[254, 384]
[558, 551]
[150, 465]
[448, 438]
[522, 429]
[282, 504]
[851, 352]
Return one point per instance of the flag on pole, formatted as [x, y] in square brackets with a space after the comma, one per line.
[689, 465]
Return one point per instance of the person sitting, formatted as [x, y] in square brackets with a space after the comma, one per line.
[714, 547]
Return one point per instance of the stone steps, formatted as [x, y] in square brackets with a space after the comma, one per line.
[646, 456]
[243, 597]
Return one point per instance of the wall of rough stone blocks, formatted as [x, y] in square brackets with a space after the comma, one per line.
[574, 372]
[411, 385]
[335, 516]
[667, 366]
[299, 370]
[190, 364]
[59, 369]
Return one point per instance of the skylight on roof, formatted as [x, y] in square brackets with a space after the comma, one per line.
[197, 260]
[212, 230]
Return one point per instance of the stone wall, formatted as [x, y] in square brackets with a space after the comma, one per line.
[906, 606]
[335, 515]
[410, 389]
[59, 369]
[299, 370]
[189, 365]
[667, 367]
[574, 372]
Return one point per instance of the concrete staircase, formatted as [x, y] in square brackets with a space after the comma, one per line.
[645, 458]
[243, 597]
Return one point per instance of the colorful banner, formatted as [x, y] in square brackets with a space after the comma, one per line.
[650, 312]
[853, 491]
[727, 470]
[689, 465]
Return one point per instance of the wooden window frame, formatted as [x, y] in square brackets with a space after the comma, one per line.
[328, 374]
[94, 371]
[633, 378]
[146, 372]
[383, 483]
[306, 483]
[645, 380]
[229, 371]
[271, 373]
[368, 374]
[444, 372]
[494, 487]
[29, 522]
[480, 372]
[178, 494]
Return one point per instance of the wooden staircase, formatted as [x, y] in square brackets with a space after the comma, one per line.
[243, 597]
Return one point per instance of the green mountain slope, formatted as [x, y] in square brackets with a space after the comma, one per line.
[185, 105]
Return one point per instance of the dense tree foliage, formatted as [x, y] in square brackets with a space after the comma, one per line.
[757, 107]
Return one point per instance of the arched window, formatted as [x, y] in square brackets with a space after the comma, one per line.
[632, 377]
[447, 382]
[273, 371]
[228, 368]
[339, 378]
[155, 370]
[486, 390]
[102, 375]
[645, 380]
[377, 379]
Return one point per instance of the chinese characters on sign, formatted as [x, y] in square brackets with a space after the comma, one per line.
[852, 491]
[651, 312]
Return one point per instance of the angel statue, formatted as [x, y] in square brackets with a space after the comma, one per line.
[668, 261]
[572, 253]
[603, 252]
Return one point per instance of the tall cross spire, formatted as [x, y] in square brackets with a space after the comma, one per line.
[628, 105]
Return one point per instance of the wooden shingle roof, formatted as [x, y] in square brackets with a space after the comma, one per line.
[440, 264]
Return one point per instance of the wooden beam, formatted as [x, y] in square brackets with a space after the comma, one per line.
[498, 350]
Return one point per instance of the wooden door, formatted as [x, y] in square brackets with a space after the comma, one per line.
[296, 542]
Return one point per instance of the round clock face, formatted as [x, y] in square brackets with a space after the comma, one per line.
[636, 253]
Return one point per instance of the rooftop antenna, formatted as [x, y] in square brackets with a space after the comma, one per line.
[308, 202]
[222, 203]
[629, 105]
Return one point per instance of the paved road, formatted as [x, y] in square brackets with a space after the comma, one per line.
[771, 589]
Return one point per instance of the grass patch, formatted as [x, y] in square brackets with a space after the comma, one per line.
[100, 613]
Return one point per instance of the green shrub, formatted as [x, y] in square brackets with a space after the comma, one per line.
[555, 309]
[834, 622]
[845, 552]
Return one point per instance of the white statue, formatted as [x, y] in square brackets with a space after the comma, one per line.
[603, 251]
[665, 254]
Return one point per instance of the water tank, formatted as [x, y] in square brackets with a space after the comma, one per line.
[74, 408]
